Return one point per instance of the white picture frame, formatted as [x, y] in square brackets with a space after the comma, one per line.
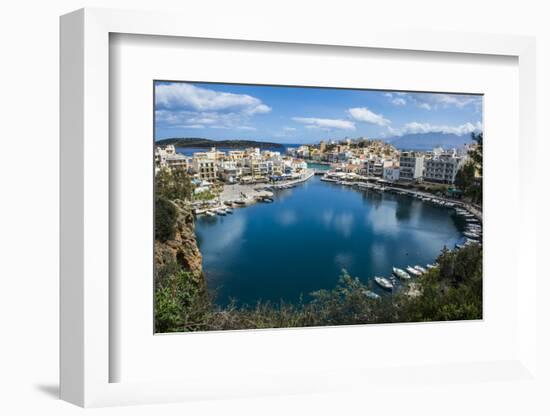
[85, 354]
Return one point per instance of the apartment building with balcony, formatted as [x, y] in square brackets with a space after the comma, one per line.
[205, 168]
[411, 166]
[443, 167]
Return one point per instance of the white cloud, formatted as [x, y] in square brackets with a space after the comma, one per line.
[416, 127]
[182, 96]
[289, 128]
[325, 123]
[187, 106]
[367, 116]
[434, 101]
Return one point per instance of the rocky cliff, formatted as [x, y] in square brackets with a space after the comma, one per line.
[183, 248]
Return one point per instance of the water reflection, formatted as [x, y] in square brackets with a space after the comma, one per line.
[301, 242]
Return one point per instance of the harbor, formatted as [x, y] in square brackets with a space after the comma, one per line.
[242, 195]
[302, 240]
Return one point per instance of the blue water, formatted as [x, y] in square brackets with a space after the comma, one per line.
[302, 241]
[188, 151]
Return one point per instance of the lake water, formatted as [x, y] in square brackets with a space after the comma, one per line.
[302, 241]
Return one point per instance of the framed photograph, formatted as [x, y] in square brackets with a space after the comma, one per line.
[303, 213]
[358, 206]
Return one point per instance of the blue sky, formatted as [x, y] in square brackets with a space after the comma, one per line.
[306, 115]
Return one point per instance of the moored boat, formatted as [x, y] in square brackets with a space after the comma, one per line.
[471, 235]
[371, 295]
[402, 274]
[420, 269]
[384, 283]
[413, 271]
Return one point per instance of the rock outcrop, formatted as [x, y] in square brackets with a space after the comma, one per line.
[183, 248]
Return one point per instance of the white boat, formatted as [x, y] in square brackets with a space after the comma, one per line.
[402, 274]
[210, 213]
[220, 211]
[430, 266]
[384, 283]
[228, 211]
[371, 295]
[471, 235]
[413, 271]
[420, 269]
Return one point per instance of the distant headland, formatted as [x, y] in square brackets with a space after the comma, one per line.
[197, 142]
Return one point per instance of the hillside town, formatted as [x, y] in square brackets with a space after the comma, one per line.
[377, 159]
[360, 157]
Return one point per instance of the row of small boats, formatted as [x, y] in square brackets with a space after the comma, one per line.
[473, 230]
[409, 272]
[283, 186]
[428, 198]
[218, 211]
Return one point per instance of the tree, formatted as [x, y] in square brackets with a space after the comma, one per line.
[476, 154]
[465, 176]
[173, 184]
[165, 219]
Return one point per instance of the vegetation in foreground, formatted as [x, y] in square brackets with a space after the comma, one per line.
[451, 291]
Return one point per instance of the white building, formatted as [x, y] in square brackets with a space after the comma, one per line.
[178, 161]
[161, 152]
[411, 166]
[205, 168]
[391, 173]
[443, 167]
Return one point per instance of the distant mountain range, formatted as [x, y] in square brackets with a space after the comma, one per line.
[427, 141]
[197, 142]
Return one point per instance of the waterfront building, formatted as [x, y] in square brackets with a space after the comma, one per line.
[298, 165]
[259, 168]
[303, 152]
[391, 173]
[411, 166]
[205, 168]
[375, 166]
[443, 167]
[229, 171]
